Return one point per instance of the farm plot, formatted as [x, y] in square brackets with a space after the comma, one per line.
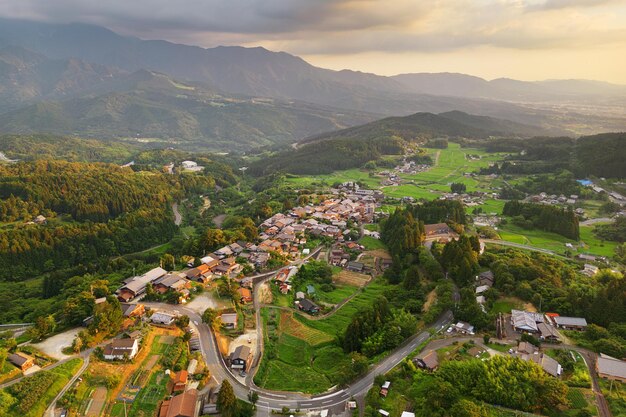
[294, 328]
[96, 402]
[351, 278]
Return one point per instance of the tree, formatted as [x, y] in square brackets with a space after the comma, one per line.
[3, 357]
[168, 262]
[458, 187]
[43, 326]
[253, 397]
[226, 400]
[182, 322]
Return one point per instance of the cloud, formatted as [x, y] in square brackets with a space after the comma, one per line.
[348, 26]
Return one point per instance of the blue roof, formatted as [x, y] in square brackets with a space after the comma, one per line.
[584, 182]
[310, 289]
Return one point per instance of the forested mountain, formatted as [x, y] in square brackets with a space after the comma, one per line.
[258, 72]
[353, 147]
[145, 104]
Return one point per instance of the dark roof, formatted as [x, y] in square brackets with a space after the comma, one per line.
[429, 359]
[241, 352]
[308, 305]
[127, 309]
[19, 358]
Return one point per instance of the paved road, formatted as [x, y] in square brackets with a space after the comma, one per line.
[590, 360]
[519, 246]
[277, 400]
[598, 220]
[50, 411]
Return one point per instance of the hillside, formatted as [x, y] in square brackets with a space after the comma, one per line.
[258, 72]
[152, 106]
[353, 147]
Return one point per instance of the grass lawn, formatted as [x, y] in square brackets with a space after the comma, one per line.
[371, 244]
[340, 293]
[505, 305]
[489, 206]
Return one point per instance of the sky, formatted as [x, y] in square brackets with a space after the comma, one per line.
[522, 39]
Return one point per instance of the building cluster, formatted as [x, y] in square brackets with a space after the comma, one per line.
[530, 353]
[553, 199]
[545, 326]
[473, 199]
[484, 281]
[342, 254]
[191, 166]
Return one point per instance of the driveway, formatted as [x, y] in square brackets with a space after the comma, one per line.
[53, 346]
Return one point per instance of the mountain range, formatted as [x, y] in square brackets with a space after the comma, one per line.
[87, 80]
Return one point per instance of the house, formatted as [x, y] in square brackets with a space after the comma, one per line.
[584, 257]
[189, 164]
[437, 230]
[171, 282]
[611, 368]
[427, 360]
[245, 295]
[241, 358]
[299, 295]
[21, 360]
[407, 414]
[136, 286]
[133, 310]
[570, 323]
[485, 278]
[476, 351]
[548, 332]
[590, 270]
[548, 364]
[384, 389]
[40, 220]
[482, 288]
[163, 319]
[193, 365]
[464, 328]
[308, 306]
[201, 274]
[525, 321]
[229, 320]
[179, 381]
[181, 405]
[355, 266]
[121, 349]
[526, 347]
[383, 413]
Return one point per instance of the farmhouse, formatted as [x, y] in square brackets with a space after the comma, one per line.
[179, 381]
[229, 320]
[172, 281]
[181, 405]
[136, 286]
[611, 368]
[245, 295]
[355, 266]
[525, 321]
[163, 318]
[438, 230]
[464, 328]
[241, 358]
[548, 332]
[427, 360]
[120, 349]
[21, 360]
[485, 278]
[308, 306]
[132, 310]
[570, 323]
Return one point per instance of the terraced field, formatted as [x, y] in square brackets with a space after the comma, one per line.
[295, 328]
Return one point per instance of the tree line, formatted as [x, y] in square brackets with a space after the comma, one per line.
[544, 217]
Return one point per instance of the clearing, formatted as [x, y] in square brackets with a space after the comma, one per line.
[351, 278]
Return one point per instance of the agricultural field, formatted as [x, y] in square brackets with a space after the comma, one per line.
[589, 243]
[615, 394]
[31, 396]
[345, 277]
[295, 349]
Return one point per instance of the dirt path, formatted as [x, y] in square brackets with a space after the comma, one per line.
[178, 218]
[98, 399]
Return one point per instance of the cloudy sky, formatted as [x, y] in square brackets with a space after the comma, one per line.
[524, 39]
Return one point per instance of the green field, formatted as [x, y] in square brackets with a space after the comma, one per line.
[336, 323]
[295, 349]
[371, 244]
[555, 242]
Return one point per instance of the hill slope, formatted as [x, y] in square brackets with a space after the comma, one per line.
[353, 147]
[150, 105]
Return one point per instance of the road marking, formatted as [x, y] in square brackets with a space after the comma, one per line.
[274, 395]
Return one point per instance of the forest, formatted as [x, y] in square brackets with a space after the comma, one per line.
[549, 218]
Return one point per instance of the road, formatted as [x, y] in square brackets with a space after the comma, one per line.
[598, 220]
[277, 400]
[50, 411]
[519, 246]
[590, 359]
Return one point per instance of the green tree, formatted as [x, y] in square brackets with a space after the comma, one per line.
[168, 262]
[253, 397]
[226, 400]
[182, 322]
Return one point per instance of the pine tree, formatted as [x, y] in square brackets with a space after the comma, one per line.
[226, 400]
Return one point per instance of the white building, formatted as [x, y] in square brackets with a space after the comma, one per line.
[120, 349]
